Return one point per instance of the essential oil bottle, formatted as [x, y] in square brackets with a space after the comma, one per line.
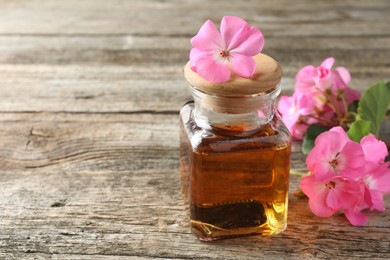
[235, 155]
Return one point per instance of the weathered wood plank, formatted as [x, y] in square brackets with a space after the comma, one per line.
[171, 17]
[292, 52]
[94, 95]
[98, 181]
[14, 44]
[39, 88]
[92, 140]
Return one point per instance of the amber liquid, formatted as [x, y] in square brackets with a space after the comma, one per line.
[235, 180]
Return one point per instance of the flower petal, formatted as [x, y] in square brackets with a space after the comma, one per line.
[317, 194]
[374, 149]
[211, 70]
[234, 31]
[286, 107]
[307, 74]
[317, 162]
[340, 130]
[344, 193]
[208, 38]
[242, 65]
[351, 95]
[352, 165]
[305, 87]
[380, 176]
[323, 79]
[310, 186]
[377, 200]
[299, 130]
[337, 81]
[335, 139]
[356, 218]
[305, 103]
[195, 54]
[285, 103]
[319, 207]
[344, 74]
[333, 200]
[365, 199]
[328, 63]
[253, 44]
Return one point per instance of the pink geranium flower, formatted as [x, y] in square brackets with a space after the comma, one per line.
[326, 94]
[315, 80]
[322, 77]
[376, 182]
[346, 175]
[310, 76]
[214, 52]
[292, 109]
[335, 155]
[326, 198]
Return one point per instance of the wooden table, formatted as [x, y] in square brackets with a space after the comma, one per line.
[89, 138]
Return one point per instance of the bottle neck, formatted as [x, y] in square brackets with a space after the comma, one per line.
[234, 112]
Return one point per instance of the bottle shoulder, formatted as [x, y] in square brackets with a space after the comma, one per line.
[204, 139]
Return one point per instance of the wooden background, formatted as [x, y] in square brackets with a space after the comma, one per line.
[90, 93]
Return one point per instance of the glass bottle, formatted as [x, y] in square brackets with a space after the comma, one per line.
[235, 159]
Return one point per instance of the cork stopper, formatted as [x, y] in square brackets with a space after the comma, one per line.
[238, 95]
[267, 76]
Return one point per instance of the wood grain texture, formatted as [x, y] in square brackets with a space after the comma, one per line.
[89, 150]
[108, 89]
[110, 186]
[156, 17]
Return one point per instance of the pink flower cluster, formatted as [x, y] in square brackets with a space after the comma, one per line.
[346, 175]
[321, 96]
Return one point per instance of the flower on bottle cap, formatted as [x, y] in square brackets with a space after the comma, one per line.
[215, 53]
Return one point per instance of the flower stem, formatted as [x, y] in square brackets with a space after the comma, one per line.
[297, 173]
[322, 120]
[334, 104]
[344, 103]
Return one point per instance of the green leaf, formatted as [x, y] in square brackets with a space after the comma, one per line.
[359, 129]
[310, 135]
[373, 105]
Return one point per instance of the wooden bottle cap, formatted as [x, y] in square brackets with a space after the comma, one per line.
[267, 76]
